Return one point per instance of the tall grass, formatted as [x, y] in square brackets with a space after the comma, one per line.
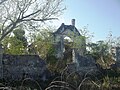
[70, 81]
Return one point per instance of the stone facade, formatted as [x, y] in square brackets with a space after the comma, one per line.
[115, 51]
[69, 31]
[80, 62]
[118, 54]
[86, 66]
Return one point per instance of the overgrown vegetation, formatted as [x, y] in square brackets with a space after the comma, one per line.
[43, 45]
[19, 16]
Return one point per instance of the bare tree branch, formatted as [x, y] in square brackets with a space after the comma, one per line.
[16, 12]
[2, 1]
[42, 20]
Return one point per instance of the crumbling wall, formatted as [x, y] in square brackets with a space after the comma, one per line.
[118, 56]
[18, 67]
[86, 65]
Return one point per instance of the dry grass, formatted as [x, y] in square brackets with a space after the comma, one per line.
[67, 82]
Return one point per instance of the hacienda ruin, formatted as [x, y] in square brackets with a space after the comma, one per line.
[17, 67]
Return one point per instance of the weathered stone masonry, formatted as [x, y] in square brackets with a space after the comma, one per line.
[18, 67]
[79, 60]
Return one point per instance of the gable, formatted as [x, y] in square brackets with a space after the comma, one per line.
[65, 29]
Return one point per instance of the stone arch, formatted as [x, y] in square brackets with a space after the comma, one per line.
[59, 38]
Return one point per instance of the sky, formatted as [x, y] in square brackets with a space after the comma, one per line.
[101, 16]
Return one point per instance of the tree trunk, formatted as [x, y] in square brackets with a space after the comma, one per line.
[1, 64]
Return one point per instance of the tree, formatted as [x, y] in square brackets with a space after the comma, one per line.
[112, 40]
[87, 34]
[20, 35]
[100, 48]
[16, 44]
[41, 43]
[100, 52]
[28, 13]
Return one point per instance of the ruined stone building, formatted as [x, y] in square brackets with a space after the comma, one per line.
[72, 35]
[115, 51]
[19, 67]
[78, 47]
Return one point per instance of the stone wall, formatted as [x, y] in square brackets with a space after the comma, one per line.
[85, 65]
[115, 51]
[118, 54]
[18, 67]
[118, 57]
